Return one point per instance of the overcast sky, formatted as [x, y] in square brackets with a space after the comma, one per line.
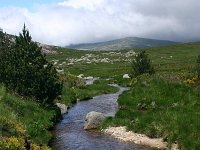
[63, 22]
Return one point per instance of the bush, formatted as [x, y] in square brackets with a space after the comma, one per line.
[12, 143]
[141, 64]
[25, 70]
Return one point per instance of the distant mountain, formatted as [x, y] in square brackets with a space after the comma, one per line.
[124, 43]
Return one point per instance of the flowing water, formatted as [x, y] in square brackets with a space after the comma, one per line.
[70, 135]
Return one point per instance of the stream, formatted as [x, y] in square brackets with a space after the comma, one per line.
[70, 135]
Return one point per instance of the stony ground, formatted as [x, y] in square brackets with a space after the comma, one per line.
[128, 136]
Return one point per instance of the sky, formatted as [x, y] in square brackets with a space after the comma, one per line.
[64, 22]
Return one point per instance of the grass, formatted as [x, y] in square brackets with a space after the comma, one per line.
[25, 118]
[68, 96]
[160, 108]
[74, 88]
[103, 70]
[174, 59]
[98, 88]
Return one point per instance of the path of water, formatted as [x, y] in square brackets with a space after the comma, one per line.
[70, 134]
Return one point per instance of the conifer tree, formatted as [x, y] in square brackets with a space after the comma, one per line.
[5, 48]
[27, 71]
[141, 64]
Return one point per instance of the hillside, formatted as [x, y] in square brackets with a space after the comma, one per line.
[47, 49]
[124, 43]
[171, 58]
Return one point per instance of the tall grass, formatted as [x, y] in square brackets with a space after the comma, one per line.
[34, 120]
[162, 109]
[99, 87]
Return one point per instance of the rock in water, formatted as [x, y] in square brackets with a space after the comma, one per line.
[63, 108]
[93, 119]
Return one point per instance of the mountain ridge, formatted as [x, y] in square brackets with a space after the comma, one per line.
[123, 43]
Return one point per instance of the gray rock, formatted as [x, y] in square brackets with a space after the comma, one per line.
[93, 119]
[63, 108]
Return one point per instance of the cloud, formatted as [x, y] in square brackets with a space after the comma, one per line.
[80, 21]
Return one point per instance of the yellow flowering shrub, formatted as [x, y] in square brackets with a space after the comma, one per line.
[37, 147]
[11, 126]
[192, 81]
[12, 143]
[34, 147]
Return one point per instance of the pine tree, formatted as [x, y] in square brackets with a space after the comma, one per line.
[141, 64]
[27, 71]
[5, 48]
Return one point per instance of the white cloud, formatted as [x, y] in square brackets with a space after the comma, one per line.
[84, 4]
[79, 21]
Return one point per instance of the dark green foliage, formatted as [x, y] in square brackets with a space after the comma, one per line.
[141, 64]
[25, 70]
[5, 47]
[198, 66]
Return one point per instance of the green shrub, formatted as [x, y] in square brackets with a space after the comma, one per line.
[25, 70]
[141, 64]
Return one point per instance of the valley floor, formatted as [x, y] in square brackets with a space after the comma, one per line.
[165, 105]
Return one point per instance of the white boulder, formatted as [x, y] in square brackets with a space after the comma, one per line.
[63, 108]
[126, 76]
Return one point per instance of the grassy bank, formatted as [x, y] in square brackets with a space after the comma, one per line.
[75, 88]
[24, 119]
[161, 108]
[98, 88]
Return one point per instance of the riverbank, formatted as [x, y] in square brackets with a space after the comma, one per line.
[122, 134]
[160, 107]
[24, 123]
